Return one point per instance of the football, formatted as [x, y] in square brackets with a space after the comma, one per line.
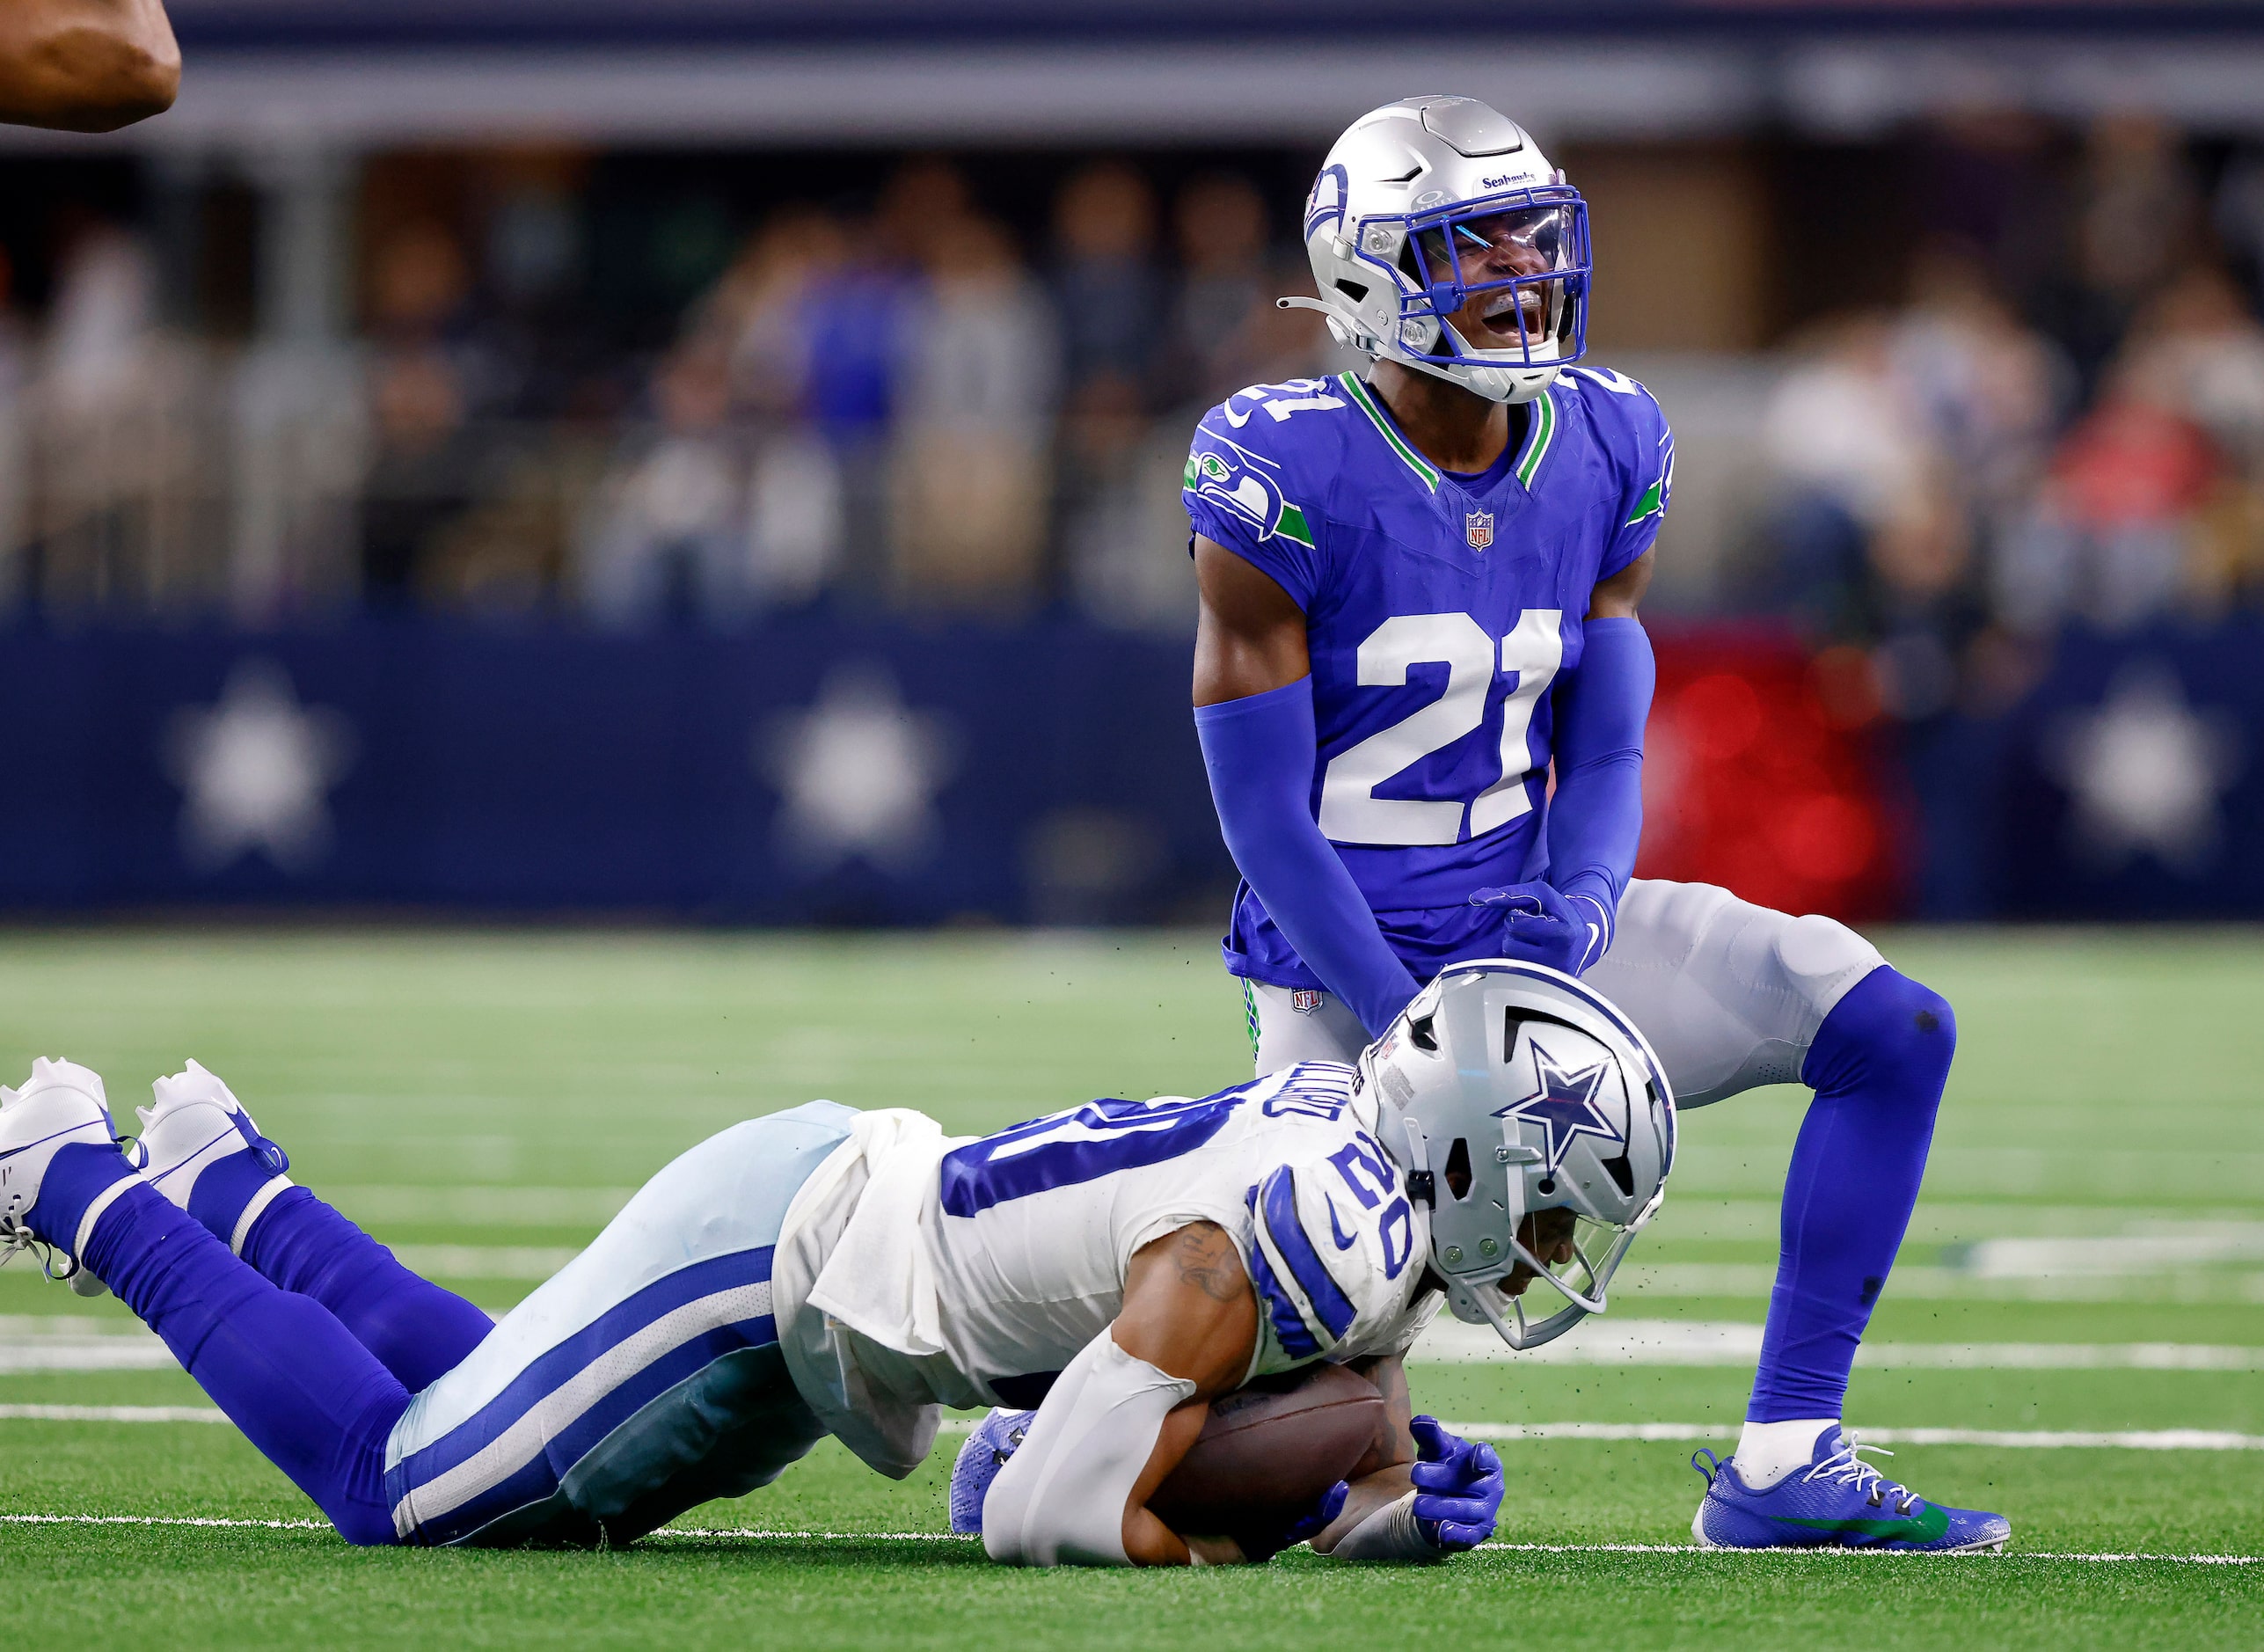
[1271, 1449]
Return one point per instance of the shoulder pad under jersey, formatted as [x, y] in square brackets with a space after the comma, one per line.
[1335, 1241]
[1265, 454]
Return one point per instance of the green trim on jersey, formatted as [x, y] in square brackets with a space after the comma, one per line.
[1413, 460]
[1250, 1014]
[1538, 439]
[1536, 443]
[1292, 525]
[1647, 506]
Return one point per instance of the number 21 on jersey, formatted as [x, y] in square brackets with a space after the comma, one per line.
[1350, 811]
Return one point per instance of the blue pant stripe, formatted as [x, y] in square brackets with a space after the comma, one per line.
[541, 1477]
[554, 1367]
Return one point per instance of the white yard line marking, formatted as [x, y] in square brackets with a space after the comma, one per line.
[1615, 1342]
[485, 1262]
[162, 1520]
[2014, 1439]
[111, 1414]
[772, 1535]
[67, 1342]
[1883, 1554]
[2171, 1248]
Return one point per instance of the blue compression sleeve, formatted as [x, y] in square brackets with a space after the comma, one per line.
[1595, 819]
[1260, 752]
[1878, 1065]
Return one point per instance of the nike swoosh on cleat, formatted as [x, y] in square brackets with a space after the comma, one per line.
[1926, 1527]
[43, 1141]
[190, 1159]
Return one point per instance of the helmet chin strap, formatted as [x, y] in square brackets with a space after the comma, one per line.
[1361, 339]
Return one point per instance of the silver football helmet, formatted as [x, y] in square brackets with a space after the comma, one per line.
[1509, 1089]
[1428, 203]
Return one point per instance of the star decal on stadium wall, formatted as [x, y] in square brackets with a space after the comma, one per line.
[1564, 1105]
[255, 769]
[2145, 771]
[859, 771]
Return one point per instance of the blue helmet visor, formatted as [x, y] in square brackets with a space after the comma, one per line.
[1505, 276]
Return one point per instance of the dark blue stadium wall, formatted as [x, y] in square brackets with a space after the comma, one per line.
[822, 771]
[1048, 772]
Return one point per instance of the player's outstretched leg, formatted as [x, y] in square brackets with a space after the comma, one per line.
[200, 1148]
[1877, 1064]
[281, 1366]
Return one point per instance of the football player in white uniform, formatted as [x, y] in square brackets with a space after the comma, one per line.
[1419, 600]
[824, 1271]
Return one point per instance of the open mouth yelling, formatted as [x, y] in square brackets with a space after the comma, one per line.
[1513, 316]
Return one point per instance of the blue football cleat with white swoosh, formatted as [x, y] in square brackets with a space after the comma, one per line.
[1838, 1501]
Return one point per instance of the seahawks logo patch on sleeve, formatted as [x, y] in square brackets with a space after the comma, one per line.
[1235, 480]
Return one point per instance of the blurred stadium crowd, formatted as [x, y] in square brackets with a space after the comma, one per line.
[889, 397]
[1944, 401]
[892, 401]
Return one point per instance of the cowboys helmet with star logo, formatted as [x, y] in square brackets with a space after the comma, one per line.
[1509, 1089]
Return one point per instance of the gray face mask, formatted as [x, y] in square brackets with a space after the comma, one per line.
[1512, 1093]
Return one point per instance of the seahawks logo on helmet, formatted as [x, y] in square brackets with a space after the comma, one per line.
[1326, 204]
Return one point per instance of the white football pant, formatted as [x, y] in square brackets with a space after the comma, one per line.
[1730, 994]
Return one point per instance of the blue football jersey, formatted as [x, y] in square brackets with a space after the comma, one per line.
[1439, 610]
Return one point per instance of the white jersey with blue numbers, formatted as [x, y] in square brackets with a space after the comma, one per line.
[970, 1271]
[1441, 610]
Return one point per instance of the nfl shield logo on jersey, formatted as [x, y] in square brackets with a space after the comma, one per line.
[1478, 528]
[1305, 1002]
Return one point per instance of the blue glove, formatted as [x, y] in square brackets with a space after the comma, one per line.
[990, 1445]
[1543, 927]
[1457, 1486]
[1264, 1544]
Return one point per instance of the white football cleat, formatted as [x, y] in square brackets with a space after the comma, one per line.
[59, 1110]
[200, 1149]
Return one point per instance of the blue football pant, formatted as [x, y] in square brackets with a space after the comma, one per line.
[1733, 995]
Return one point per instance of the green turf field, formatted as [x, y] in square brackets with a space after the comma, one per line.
[2089, 1257]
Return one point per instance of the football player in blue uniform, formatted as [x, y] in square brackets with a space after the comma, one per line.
[1419, 590]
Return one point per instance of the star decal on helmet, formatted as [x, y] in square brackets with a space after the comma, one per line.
[1564, 1105]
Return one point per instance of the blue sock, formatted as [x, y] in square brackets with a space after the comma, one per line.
[79, 1174]
[1878, 1065]
[315, 1402]
[418, 1331]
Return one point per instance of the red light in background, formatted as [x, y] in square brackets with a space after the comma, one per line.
[1753, 778]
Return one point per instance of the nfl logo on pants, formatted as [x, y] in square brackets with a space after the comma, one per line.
[1478, 528]
[1305, 1001]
